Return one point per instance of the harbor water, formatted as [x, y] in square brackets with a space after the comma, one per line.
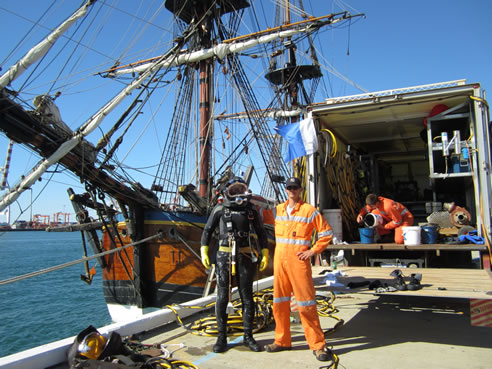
[50, 306]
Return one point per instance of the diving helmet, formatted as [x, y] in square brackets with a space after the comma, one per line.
[237, 192]
[372, 220]
[92, 345]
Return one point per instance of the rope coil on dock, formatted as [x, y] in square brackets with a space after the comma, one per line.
[263, 315]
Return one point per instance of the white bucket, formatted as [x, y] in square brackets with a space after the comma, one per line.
[411, 236]
[334, 218]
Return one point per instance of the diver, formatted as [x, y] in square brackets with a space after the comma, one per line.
[237, 255]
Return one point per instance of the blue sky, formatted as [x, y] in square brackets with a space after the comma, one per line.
[405, 43]
[397, 44]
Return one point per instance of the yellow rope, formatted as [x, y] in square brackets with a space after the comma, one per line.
[340, 173]
[334, 147]
[263, 315]
[208, 326]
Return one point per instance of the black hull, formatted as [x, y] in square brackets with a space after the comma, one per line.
[123, 293]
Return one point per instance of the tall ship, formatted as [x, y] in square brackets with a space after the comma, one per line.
[155, 119]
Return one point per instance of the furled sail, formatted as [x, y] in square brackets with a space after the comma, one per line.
[233, 47]
[85, 130]
[42, 48]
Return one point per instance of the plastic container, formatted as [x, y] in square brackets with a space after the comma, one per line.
[411, 236]
[367, 235]
[458, 165]
[429, 234]
[436, 206]
[334, 218]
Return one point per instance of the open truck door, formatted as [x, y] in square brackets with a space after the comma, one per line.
[424, 146]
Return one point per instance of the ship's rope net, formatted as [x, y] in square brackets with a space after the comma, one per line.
[72, 78]
[178, 145]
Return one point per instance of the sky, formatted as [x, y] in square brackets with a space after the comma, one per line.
[397, 44]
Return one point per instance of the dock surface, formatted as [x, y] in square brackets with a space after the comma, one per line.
[429, 328]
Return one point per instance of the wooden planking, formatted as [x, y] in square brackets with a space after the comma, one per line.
[399, 247]
[114, 269]
[457, 283]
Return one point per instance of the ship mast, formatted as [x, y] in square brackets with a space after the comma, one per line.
[205, 124]
[203, 13]
[292, 87]
[290, 76]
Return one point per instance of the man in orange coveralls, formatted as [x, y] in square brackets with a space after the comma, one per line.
[295, 222]
[395, 215]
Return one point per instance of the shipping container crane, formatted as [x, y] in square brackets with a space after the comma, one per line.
[40, 221]
[57, 218]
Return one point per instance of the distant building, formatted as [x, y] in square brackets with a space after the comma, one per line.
[19, 224]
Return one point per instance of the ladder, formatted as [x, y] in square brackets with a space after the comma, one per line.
[210, 279]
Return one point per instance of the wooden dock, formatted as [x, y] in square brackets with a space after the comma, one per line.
[436, 282]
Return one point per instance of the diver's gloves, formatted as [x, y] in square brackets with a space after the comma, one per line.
[205, 258]
[264, 259]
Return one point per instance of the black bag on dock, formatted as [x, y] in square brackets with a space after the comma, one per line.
[83, 355]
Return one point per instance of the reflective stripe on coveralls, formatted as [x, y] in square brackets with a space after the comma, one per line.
[292, 235]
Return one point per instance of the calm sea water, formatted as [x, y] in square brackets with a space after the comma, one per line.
[51, 306]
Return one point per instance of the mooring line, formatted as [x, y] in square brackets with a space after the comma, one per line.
[70, 263]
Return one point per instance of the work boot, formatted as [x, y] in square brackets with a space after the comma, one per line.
[322, 355]
[250, 342]
[221, 343]
[273, 347]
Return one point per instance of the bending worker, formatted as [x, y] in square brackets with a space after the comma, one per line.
[395, 215]
[295, 222]
[237, 219]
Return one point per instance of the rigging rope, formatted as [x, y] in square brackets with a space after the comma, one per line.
[70, 263]
[269, 151]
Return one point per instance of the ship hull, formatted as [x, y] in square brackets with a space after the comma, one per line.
[165, 270]
[144, 278]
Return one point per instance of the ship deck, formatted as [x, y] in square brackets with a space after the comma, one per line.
[430, 327]
[406, 329]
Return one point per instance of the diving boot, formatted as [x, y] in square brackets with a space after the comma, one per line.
[414, 283]
[399, 282]
[250, 342]
[221, 343]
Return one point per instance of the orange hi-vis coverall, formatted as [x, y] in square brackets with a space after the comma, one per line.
[395, 216]
[292, 235]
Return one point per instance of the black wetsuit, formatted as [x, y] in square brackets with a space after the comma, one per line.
[245, 268]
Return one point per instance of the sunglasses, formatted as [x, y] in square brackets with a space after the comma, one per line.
[293, 188]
